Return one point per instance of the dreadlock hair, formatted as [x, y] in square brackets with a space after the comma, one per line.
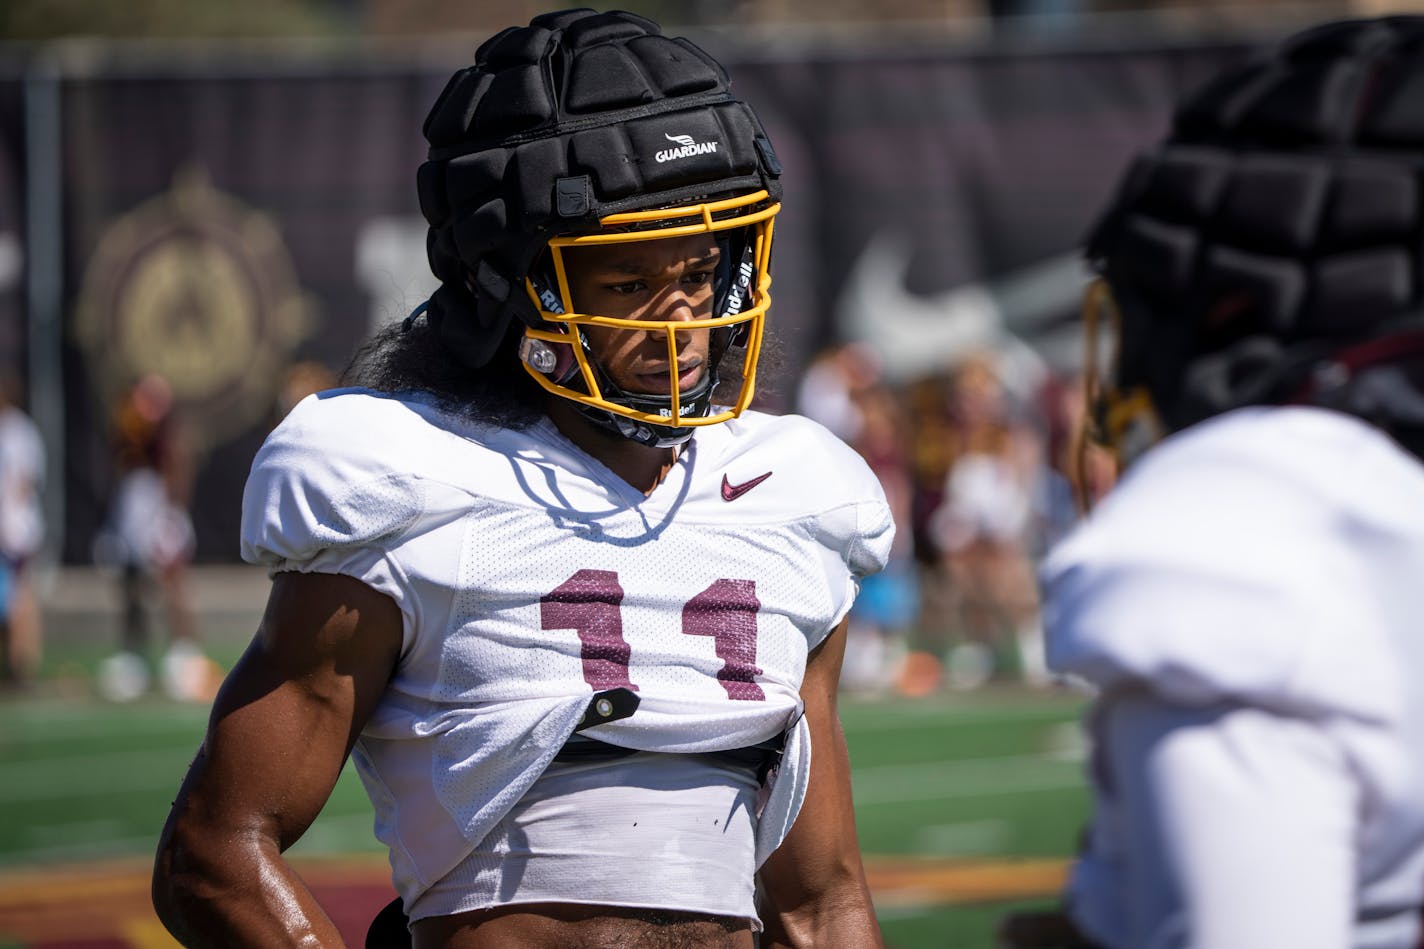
[408, 356]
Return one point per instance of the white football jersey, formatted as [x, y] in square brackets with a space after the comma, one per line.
[22, 478]
[530, 577]
[1249, 599]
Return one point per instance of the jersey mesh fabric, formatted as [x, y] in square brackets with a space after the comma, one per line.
[1265, 561]
[22, 473]
[576, 836]
[530, 577]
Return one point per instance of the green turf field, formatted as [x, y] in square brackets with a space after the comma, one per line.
[985, 776]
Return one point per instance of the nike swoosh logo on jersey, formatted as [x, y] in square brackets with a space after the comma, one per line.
[730, 491]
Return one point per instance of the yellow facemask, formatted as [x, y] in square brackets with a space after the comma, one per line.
[557, 358]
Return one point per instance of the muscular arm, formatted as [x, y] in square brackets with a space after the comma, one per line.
[280, 731]
[814, 884]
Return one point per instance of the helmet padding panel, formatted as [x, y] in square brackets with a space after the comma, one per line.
[1281, 220]
[575, 117]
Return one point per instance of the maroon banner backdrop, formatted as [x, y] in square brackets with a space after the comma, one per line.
[221, 230]
[935, 203]
[235, 224]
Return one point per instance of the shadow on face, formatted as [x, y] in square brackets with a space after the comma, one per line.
[662, 283]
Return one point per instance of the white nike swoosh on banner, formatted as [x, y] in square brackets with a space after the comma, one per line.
[1011, 315]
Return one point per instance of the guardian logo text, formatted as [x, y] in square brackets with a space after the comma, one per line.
[686, 148]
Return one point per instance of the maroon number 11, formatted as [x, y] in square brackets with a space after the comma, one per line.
[591, 601]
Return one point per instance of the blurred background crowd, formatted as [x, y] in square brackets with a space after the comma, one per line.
[205, 206]
[984, 471]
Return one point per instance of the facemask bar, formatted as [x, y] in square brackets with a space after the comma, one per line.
[739, 212]
[1113, 414]
[1124, 423]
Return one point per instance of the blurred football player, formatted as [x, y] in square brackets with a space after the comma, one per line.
[148, 540]
[577, 614]
[22, 533]
[1248, 598]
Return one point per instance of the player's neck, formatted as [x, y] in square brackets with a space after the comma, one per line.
[641, 466]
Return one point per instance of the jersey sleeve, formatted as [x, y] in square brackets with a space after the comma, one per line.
[1215, 576]
[322, 498]
[1191, 841]
[868, 548]
[853, 519]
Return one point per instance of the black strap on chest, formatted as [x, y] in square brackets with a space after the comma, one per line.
[761, 757]
[610, 705]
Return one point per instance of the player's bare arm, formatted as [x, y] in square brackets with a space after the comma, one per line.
[280, 730]
[814, 883]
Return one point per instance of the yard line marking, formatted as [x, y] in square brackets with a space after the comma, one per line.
[329, 835]
[130, 771]
[81, 776]
[54, 725]
[70, 832]
[118, 771]
[85, 851]
[859, 720]
[974, 777]
[963, 838]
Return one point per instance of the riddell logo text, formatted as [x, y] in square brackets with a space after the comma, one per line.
[686, 147]
[739, 289]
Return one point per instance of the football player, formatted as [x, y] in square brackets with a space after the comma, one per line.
[1247, 600]
[576, 612]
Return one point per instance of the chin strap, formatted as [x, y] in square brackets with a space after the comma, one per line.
[646, 433]
[653, 436]
[543, 358]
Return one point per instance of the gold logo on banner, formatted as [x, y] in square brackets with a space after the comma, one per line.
[199, 288]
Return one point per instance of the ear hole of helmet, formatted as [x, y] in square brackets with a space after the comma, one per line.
[554, 360]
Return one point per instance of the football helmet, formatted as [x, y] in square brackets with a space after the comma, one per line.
[1268, 252]
[589, 129]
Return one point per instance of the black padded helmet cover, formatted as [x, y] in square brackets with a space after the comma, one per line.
[557, 124]
[1282, 222]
